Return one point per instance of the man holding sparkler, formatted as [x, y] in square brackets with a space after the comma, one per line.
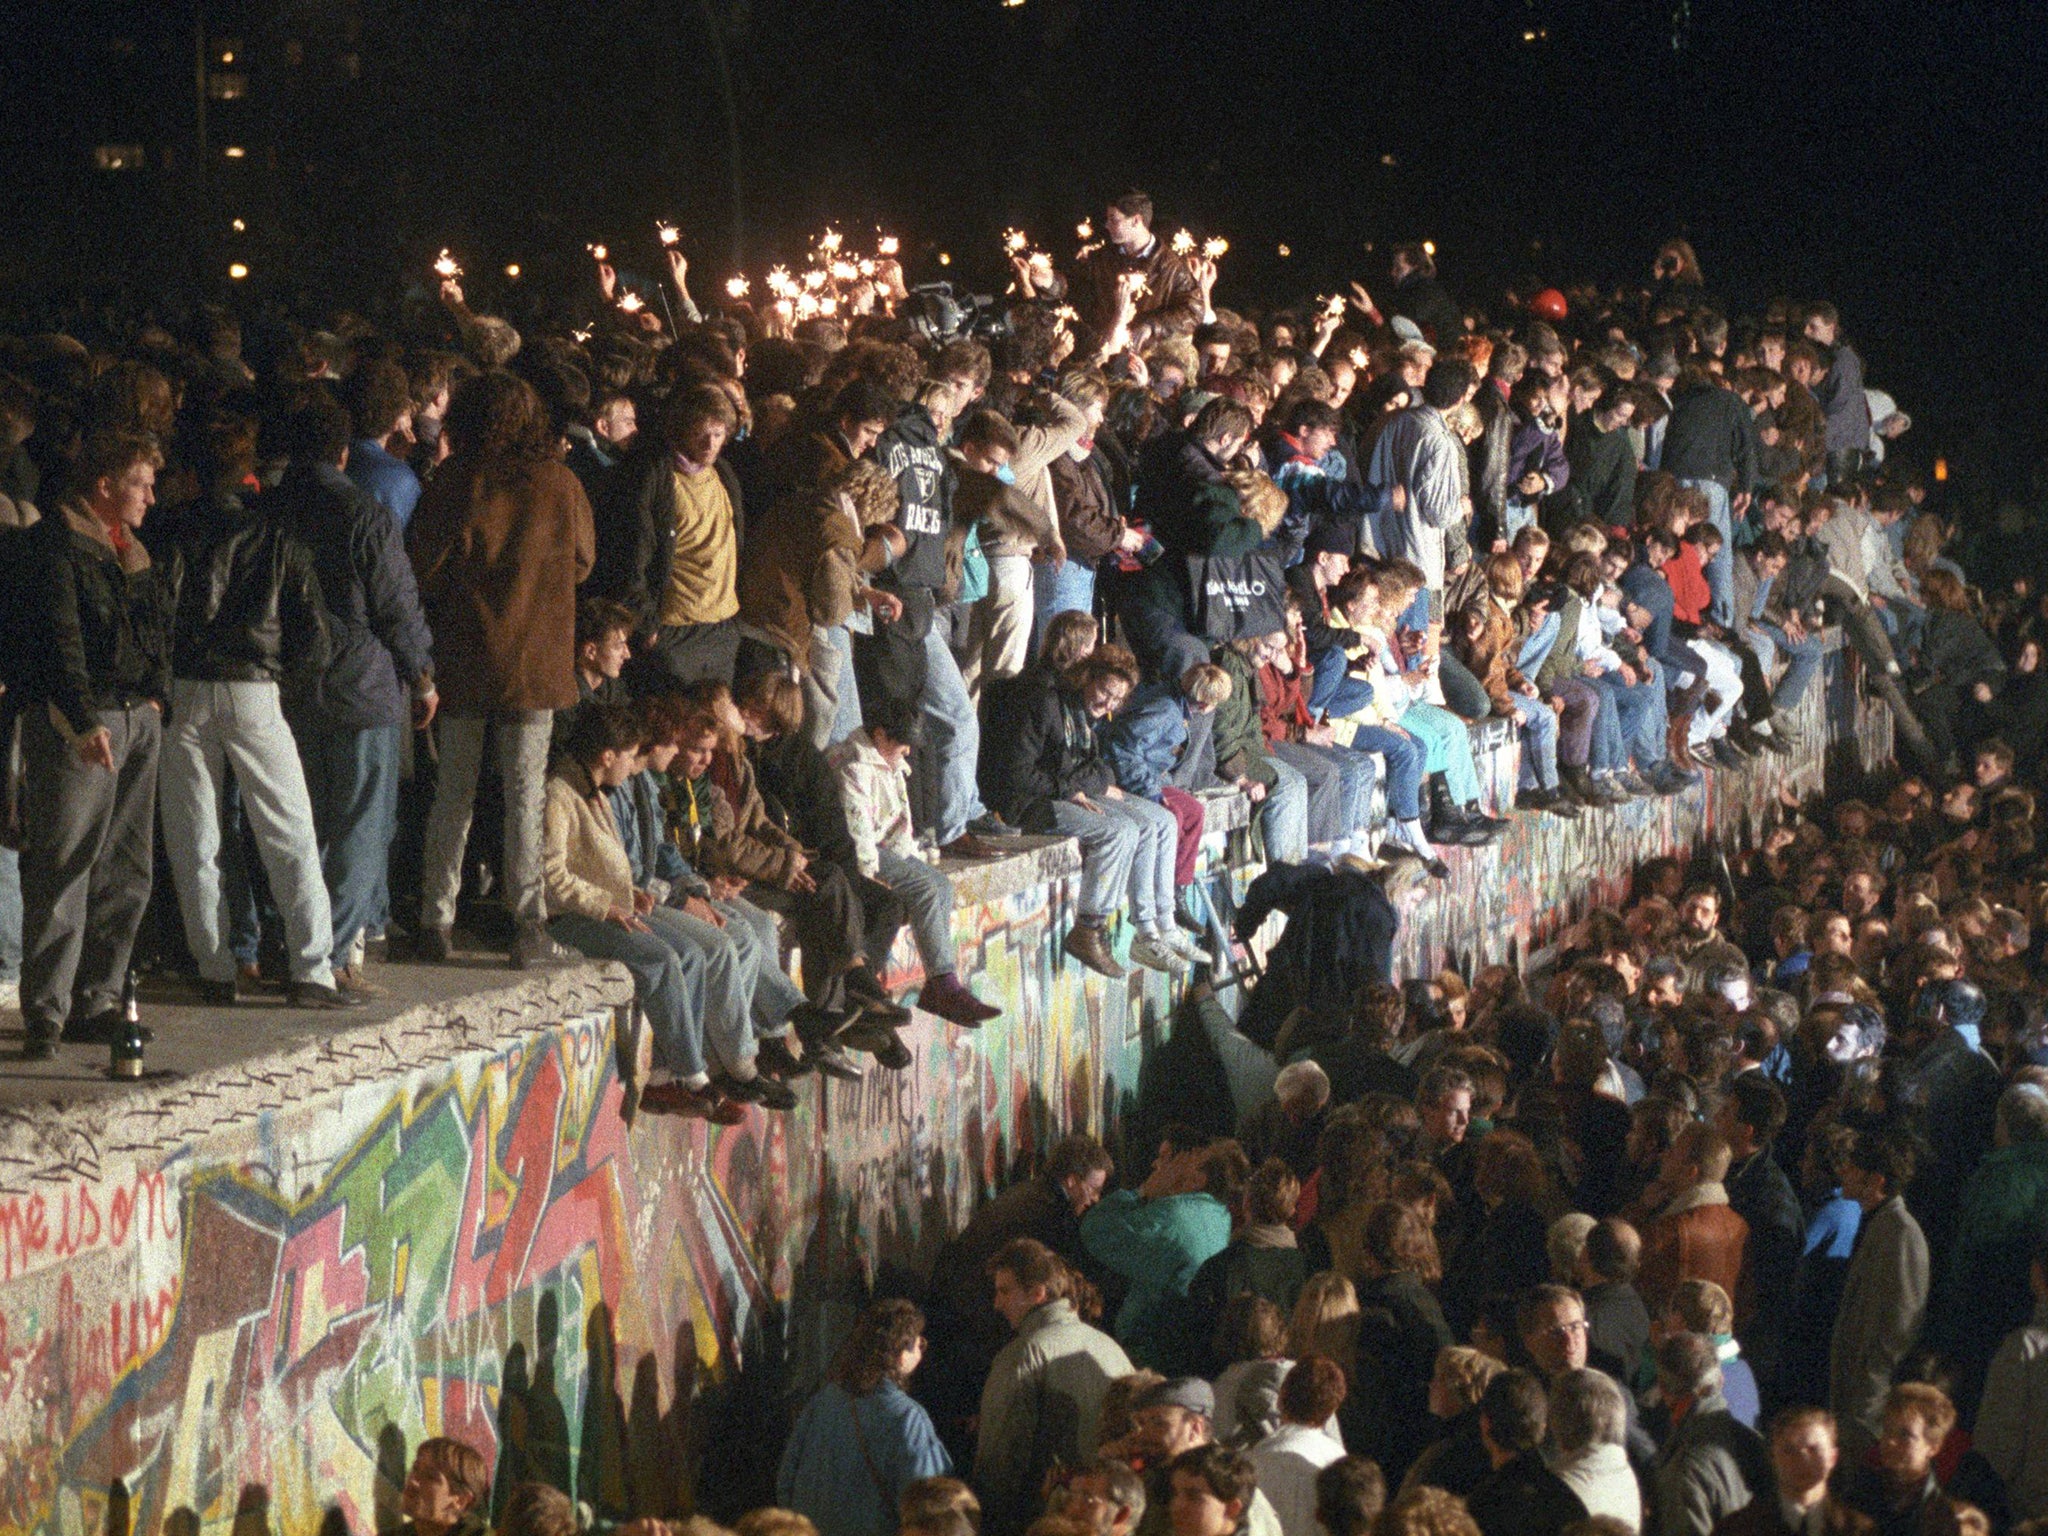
[1170, 302]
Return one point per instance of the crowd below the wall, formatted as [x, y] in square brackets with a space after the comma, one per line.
[1734, 1221]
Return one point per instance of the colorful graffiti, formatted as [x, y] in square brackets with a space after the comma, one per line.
[259, 1315]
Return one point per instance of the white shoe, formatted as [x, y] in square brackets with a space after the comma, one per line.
[10, 997]
[1151, 951]
[1186, 945]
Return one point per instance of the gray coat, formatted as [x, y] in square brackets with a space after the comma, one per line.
[2012, 1424]
[1884, 1297]
[1039, 1405]
[1711, 1467]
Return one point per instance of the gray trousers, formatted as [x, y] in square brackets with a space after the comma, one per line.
[216, 726]
[522, 741]
[85, 864]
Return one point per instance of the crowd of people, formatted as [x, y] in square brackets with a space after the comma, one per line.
[1734, 1219]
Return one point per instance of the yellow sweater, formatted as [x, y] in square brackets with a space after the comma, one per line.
[703, 576]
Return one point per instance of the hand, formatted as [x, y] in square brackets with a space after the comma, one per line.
[1362, 301]
[1130, 540]
[678, 264]
[96, 749]
[1088, 805]
[1113, 792]
[1592, 669]
[1876, 601]
[1739, 504]
[703, 911]
[1054, 553]
[1136, 371]
[607, 280]
[643, 901]
[803, 882]
[1254, 791]
[725, 887]
[426, 702]
[451, 293]
[1329, 322]
[1531, 484]
[886, 606]
[1981, 693]
[1628, 675]
[1556, 706]
[1062, 347]
[1319, 736]
[1527, 690]
[625, 920]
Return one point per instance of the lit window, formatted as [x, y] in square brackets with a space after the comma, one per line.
[235, 152]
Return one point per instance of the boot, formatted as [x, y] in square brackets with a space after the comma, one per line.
[1090, 946]
[1448, 823]
[1676, 745]
[1574, 777]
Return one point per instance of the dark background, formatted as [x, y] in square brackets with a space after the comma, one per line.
[1885, 155]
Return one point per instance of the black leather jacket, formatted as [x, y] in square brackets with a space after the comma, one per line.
[247, 599]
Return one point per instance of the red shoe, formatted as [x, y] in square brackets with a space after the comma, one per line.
[948, 997]
[694, 1103]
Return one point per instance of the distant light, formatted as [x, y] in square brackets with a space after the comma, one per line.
[1940, 470]
[1386, 159]
[235, 152]
[228, 56]
[118, 157]
[1529, 35]
[1429, 247]
[1286, 250]
[237, 271]
[945, 258]
[1011, 5]
[240, 226]
[512, 269]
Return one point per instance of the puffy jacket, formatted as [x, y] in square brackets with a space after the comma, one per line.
[1486, 643]
[1038, 745]
[248, 601]
[376, 629]
[100, 621]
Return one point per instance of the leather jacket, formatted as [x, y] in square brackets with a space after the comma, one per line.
[248, 606]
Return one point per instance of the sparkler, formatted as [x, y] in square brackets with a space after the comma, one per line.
[737, 287]
[1183, 243]
[599, 253]
[581, 337]
[781, 284]
[631, 302]
[668, 232]
[1358, 358]
[844, 271]
[830, 241]
[1015, 242]
[447, 265]
[814, 280]
[1085, 229]
[865, 268]
[887, 246]
[1215, 246]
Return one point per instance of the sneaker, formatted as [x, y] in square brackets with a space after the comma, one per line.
[989, 824]
[536, 947]
[1090, 946]
[1668, 779]
[1634, 784]
[705, 1103]
[313, 994]
[949, 998]
[1724, 753]
[1187, 946]
[776, 1059]
[759, 1089]
[104, 1028]
[1152, 952]
[832, 1061]
[433, 946]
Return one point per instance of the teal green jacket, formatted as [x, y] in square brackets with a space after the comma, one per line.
[1157, 1245]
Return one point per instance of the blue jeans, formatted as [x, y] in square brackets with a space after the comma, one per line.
[1802, 658]
[352, 778]
[1404, 757]
[758, 942]
[1068, 587]
[1538, 646]
[10, 915]
[1639, 717]
[1283, 815]
[1539, 740]
[1334, 692]
[689, 978]
[1358, 772]
[1108, 844]
[927, 896]
[1720, 569]
[952, 742]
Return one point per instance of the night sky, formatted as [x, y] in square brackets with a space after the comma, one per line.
[1886, 155]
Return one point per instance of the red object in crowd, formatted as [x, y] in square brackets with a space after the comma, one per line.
[1549, 305]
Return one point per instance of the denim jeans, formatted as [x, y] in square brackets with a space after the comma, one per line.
[1334, 692]
[1639, 718]
[1283, 815]
[668, 983]
[1108, 844]
[1720, 569]
[1403, 756]
[522, 742]
[952, 744]
[927, 894]
[1539, 741]
[1538, 646]
[1000, 639]
[1447, 741]
[1357, 774]
[758, 942]
[831, 693]
[352, 779]
[1325, 785]
[1068, 587]
[1802, 661]
[215, 726]
[1158, 839]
